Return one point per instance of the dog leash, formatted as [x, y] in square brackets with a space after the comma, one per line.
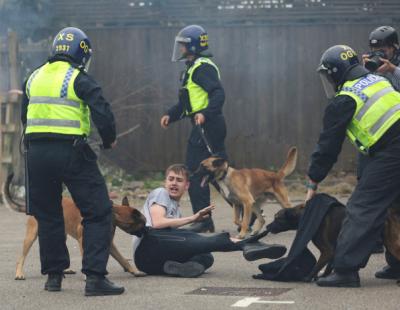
[204, 138]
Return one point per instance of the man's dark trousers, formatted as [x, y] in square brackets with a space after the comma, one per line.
[215, 132]
[50, 164]
[377, 189]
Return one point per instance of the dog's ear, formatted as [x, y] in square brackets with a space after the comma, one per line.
[218, 162]
[125, 201]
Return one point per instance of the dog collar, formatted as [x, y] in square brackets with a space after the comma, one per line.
[312, 186]
[224, 174]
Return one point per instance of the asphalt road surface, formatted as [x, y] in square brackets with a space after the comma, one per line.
[227, 285]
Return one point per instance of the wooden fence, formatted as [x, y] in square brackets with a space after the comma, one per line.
[10, 102]
[274, 98]
[127, 13]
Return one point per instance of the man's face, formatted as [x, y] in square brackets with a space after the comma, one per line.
[389, 50]
[176, 185]
[182, 49]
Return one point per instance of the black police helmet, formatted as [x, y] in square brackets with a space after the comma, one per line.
[336, 62]
[73, 43]
[195, 38]
[383, 36]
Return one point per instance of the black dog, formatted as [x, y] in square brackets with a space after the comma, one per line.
[324, 239]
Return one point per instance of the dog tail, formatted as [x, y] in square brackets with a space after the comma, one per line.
[8, 200]
[290, 164]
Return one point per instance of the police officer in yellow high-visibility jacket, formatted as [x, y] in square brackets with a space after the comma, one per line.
[201, 98]
[365, 108]
[60, 98]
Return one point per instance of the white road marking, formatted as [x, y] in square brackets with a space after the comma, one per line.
[245, 302]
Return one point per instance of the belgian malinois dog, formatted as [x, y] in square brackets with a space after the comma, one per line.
[244, 188]
[125, 217]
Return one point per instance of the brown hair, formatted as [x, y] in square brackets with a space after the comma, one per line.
[178, 169]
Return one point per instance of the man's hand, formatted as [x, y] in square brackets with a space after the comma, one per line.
[164, 121]
[365, 58]
[113, 145]
[386, 67]
[203, 214]
[199, 118]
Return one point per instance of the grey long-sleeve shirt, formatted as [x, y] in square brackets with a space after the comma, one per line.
[394, 78]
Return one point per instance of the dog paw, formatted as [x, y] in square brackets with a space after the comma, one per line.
[136, 272]
[19, 277]
[69, 271]
[239, 236]
[139, 274]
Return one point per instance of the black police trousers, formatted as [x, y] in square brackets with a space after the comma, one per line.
[196, 152]
[180, 245]
[52, 163]
[392, 261]
[378, 187]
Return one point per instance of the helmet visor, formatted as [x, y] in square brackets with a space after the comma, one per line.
[180, 51]
[87, 64]
[327, 82]
[86, 60]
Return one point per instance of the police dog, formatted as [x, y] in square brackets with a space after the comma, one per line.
[325, 238]
[125, 217]
[246, 188]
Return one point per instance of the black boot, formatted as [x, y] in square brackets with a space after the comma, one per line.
[257, 250]
[53, 283]
[202, 227]
[100, 286]
[185, 270]
[345, 279]
[388, 272]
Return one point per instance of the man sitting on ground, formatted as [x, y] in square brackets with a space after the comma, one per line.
[165, 249]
